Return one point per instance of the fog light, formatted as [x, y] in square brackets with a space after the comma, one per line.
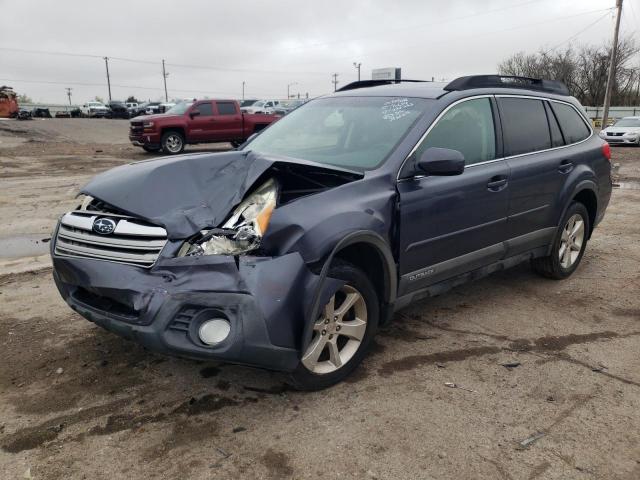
[214, 331]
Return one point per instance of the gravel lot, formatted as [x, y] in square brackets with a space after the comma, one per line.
[77, 402]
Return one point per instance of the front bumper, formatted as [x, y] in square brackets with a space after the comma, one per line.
[621, 140]
[143, 139]
[162, 307]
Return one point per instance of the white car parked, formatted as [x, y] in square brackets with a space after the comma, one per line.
[94, 109]
[261, 106]
[624, 131]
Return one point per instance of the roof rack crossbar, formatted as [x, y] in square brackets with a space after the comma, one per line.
[373, 83]
[508, 81]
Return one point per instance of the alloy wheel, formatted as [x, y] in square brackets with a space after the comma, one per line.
[173, 143]
[571, 241]
[338, 333]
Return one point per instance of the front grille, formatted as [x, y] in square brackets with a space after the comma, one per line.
[136, 128]
[616, 134]
[133, 241]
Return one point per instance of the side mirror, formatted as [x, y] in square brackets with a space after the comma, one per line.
[441, 161]
[194, 113]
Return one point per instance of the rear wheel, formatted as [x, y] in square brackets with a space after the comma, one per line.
[342, 333]
[568, 246]
[172, 142]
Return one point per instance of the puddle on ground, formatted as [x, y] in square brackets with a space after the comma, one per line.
[24, 245]
[628, 185]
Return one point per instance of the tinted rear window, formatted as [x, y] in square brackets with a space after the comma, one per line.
[525, 126]
[226, 108]
[571, 122]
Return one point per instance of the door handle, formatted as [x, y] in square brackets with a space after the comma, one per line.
[497, 183]
[565, 166]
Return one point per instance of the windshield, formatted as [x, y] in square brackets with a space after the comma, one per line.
[179, 108]
[259, 103]
[627, 122]
[352, 132]
[247, 103]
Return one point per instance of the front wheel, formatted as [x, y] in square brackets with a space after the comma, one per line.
[342, 333]
[568, 246]
[172, 142]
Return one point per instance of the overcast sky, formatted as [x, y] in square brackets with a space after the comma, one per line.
[269, 44]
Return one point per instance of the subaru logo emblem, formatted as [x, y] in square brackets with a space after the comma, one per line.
[104, 226]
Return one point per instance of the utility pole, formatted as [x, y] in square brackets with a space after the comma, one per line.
[243, 90]
[106, 64]
[612, 66]
[164, 77]
[335, 81]
[357, 65]
[69, 94]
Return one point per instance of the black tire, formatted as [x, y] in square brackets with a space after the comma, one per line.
[551, 266]
[303, 378]
[172, 142]
[151, 149]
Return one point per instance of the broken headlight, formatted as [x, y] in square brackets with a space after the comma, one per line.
[243, 231]
[85, 201]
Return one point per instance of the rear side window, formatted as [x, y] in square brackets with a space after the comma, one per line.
[466, 127]
[554, 128]
[525, 126]
[205, 109]
[226, 108]
[571, 123]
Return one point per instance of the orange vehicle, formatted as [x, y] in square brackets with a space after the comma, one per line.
[8, 102]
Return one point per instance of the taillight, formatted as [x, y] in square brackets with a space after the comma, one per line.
[606, 151]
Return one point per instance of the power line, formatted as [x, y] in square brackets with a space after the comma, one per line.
[599, 19]
[151, 62]
[139, 87]
[448, 39]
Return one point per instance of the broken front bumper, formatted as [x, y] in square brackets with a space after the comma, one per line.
[162, 307]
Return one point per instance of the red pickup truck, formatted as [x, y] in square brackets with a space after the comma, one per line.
[202, 121]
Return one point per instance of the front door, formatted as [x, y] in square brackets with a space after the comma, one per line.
[453, 224]
[202, 126]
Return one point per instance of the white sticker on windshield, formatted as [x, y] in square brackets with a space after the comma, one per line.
[396, 109]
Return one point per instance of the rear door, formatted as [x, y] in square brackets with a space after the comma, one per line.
[453, 224]
[202, 125]
[228, 122]
[538, 169]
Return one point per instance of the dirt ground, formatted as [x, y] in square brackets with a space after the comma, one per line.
[550, 371]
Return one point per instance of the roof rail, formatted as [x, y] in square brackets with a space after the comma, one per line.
[508, 81]
[373, 83]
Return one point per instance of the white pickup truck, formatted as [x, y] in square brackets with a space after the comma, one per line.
[94, 109]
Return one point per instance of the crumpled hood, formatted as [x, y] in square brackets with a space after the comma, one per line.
[187, 193]
[184, 194]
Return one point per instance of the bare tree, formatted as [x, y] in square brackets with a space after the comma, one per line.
[584, 70]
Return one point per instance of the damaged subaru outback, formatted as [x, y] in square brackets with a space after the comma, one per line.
[290, 252]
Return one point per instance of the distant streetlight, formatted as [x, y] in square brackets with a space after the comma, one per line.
[243, 90]
[357, 65]
[290, 85]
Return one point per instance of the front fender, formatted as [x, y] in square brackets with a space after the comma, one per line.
[325, 286]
